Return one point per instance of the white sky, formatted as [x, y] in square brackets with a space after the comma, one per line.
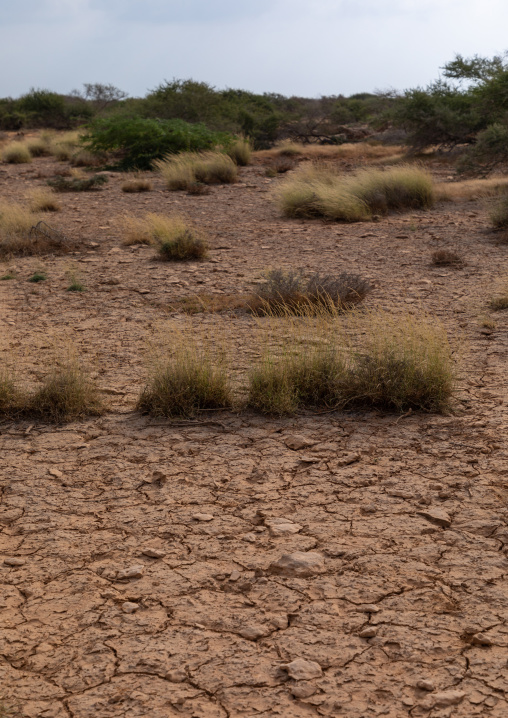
[294, 47]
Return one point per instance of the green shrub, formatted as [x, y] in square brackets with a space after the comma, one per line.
[137, 141]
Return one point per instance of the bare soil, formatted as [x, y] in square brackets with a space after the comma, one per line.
[343, 564]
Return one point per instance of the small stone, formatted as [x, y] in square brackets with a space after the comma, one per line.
[132, 572]
[480, 639]
[436, 516]
[252, 633]
[280, 527]
[235, 575]
[302, 670]
[153, 552]
[303, 690]
[250, 537]
[368, 632]
[297, 441]
[202, 517]
[129, 607]
[425, 685]
[368, 608]
[348, 459]
[177, 675]
[56, 473]
[299, 564]
[447, 698]
[13, 561]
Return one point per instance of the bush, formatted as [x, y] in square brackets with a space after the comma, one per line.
[287, 291]
[15, 225]
[16, 153]
[185, 385]
[317, 191]
[138, 142]
[77, 184]
[185, 170]
[489, 151]
[499, 214]
[185, 246]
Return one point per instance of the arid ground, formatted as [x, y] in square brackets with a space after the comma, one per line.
[346, 564]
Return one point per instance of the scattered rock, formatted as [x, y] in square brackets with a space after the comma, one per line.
[299, 564]
[368, 632]
[13, 561]
[250, 537]
[425, 685]
[129, 607]
[436, 516]
[177, 675]
[302, 670]
[154, 552]
[132, 572]
[202, 517]
[480, 639]
[56, 473]
[348, 459]
[280, 527]
[447, 698]
[235, 575]
[297, 441]
[253, 632]
[303, 690]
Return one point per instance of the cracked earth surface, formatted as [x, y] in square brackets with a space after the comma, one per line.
[348, 564]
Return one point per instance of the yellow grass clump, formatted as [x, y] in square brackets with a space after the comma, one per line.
[182, 171]
[174, 237]
[43, 200]
[137, 184]
[350, 151]
[470, 189]
[240, 152]
[369, 360]
[16, 153]
[318, 191]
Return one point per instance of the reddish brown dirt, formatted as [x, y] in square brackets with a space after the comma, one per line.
[399, 604]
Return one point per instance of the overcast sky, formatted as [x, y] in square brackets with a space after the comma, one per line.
[294, 47]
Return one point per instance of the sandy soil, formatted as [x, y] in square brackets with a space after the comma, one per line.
[338, 565]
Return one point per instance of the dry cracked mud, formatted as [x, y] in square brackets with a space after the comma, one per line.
[344, 564]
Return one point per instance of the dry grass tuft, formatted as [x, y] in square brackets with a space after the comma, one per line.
[349, 151]
[174, 237]
[240, 152]
[16, 153]
[447, 258]
[287, 291]
[11, 398]
[66, 393]
[499, 214]
[318, 191]
[38, 147]
[15, 224]
[43, 200]
[137, 184]
[186, 169]
[470, 189]
[369, 360]
[186, 378]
